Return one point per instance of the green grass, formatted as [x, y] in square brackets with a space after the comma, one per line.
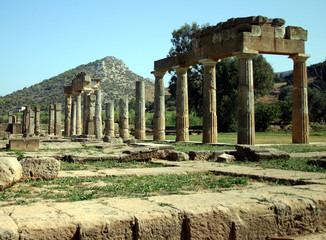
[186, 147]
[76, 189]
[66, 166]
[300, 148]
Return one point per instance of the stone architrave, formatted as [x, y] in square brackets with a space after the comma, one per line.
[98, 114]
[73, 119]
[57, 119]
[300, 113]
[123, 118]
[246, 112]
[37, 120]
[31, 126]
[109, 122]
[90, 115]
[159, 107]
[182, 112]
[140, 120]
[68, 114]
[10, 117]
[51, 119]
[78, 114]
[209, 102]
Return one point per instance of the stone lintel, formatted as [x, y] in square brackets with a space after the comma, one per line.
[246, 54]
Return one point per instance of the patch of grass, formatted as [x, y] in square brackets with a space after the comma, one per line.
[66, 166]
[186, 147]
[78, 189]
[300, 148]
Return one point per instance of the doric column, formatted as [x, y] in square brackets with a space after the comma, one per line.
[37, 120]
[26, 119]
[140, 120]
[159, 107]
[73, 119]
[85, 112]
[10, 116]
[98, 114]
[109, 122]
[182, 112]
[300, 114]
[51, 119]
[78, 114]
[123, 118]
[31, 126]
[67, 114]
[90, 128]
[57, 119]
[209, 102]
[246, 111]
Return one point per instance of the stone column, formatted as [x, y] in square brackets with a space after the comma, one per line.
[57, 119]
[85, 112]
[90, 128]
[98, 114]
[78, 114]
[209, 102]
[67, 114]
[109, 122]
[300, 114]
[31, 126]
[10, 116]
[37, 120]
[123, 118]
[140, 120]
[26, 119]
[51, 119]
[246, 112]
[73, 119]
[182, 112]
[159, 107]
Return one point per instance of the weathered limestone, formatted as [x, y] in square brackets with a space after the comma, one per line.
[78, 114]
[123, 118]
[159, 107]
[109, 122]
[85, 112]
[73, 120]
[37, 120]
[98, 114]
[24, 144]
[140, 120]
[11, 172]
[44, 168]
[209, 102]
[57, 119]
[51, 119]
[68, 114]
[90, 128]
[26, 119]
[300, 114]
[31, 126]
[10, 117]
[182, 112]
[246, 111]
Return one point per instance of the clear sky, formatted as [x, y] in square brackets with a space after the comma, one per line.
[43, 38]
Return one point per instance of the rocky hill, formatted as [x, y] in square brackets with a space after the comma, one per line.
[117, 81]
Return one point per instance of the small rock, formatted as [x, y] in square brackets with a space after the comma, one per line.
[43, 168]
[176, 155]
[199, 155]
[112, 139]
[10, 172]
[223, 158]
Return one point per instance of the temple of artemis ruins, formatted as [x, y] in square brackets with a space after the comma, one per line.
[244, 38]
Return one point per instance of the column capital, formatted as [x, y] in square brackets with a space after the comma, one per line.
[300, 57]
[209, 62]
[245, 54]
[158, 73]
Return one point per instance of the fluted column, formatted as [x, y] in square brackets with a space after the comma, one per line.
[90, 128]
[209, 102]
[31, 127]
[98, 114]
[123, 118]
[57, 119]
[37, 120]
[109, 122]
[67, 114]
[300, 114]
[246, 112]
[85, 112]
[73, 119]
[140, 120]
[159, 107]
[51, 119]
[78, 114]
[182, 112]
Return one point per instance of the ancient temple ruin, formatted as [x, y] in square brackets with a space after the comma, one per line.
[244, 38]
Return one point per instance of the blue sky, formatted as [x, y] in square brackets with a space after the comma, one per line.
[42, 38]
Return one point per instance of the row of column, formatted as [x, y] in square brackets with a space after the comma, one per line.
[246, 113]
[55, 119]
[31, 121]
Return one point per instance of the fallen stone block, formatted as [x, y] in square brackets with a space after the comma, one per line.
[10, 172]
[144, 154]
[200, 155]
[8, 228]
[222, 157]
[253, 153]
[177, 156]
[25, 144]
[43, 168]
[109, 139]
